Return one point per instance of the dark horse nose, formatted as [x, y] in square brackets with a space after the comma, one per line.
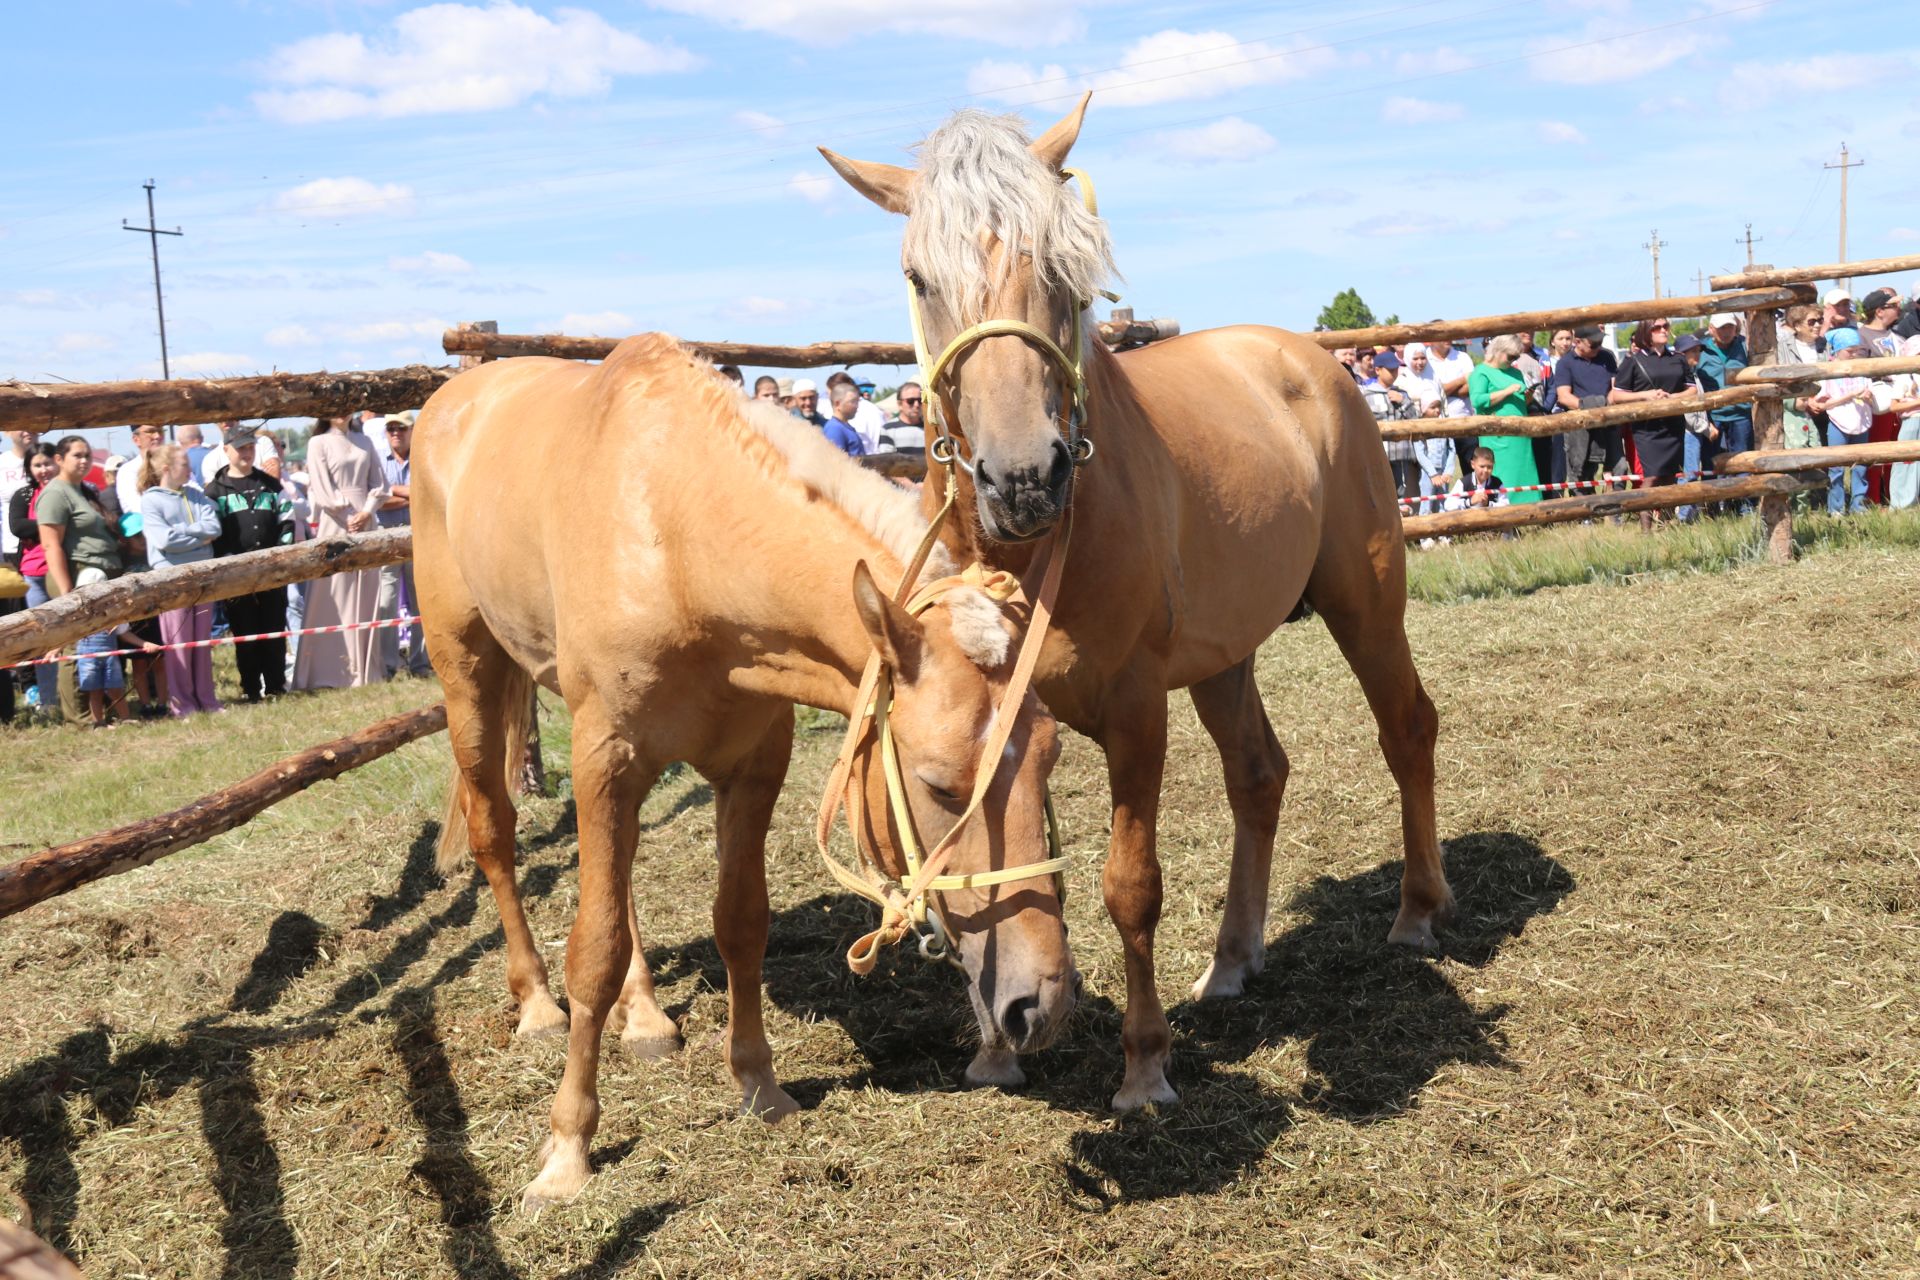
[1015, 1017]
[1028, 499]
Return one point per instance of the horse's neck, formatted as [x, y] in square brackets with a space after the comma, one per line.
[793, 613]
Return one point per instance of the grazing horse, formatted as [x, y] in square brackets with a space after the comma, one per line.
[691, 591]
[1235, 477]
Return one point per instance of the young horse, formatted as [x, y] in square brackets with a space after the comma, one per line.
[681, 611]
[1238, 476]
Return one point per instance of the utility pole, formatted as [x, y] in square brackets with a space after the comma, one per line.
[1654, 245]
[1700, 282]
[1843, 166]
[1751, 241]
[153, 234]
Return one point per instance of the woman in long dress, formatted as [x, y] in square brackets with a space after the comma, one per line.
[345, 485]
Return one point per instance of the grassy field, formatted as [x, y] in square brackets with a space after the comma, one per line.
[1674, 1033]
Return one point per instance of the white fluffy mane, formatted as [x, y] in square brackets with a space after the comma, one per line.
[976, 173]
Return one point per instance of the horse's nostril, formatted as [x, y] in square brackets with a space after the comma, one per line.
[981, 476]
[1014, 1018]
[1062, 466]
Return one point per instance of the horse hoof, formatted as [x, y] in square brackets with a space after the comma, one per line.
[534, 1200]
[539, 1017]
[995, 1068]
[768, 1102]
[1221, 981]
[1134, 1096]
[1415, 930]
[647, 1048]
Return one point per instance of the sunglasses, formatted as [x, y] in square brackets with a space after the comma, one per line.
[1659, 328]
[905, 400]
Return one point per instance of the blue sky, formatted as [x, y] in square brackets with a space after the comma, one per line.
[353, 177]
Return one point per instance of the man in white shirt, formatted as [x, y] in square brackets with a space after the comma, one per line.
[126, 483]
[1451, 368]
[13, 476]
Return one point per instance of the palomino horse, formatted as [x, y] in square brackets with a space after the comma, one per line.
[681, 610]
[1236, 476]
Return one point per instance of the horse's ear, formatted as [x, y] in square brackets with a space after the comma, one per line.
[884, 184]
[1052, 146]
[896, 633]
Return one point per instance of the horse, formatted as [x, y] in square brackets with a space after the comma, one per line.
[1201, 523]
[681, 611]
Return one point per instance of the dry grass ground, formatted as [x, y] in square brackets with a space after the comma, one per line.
[1674, 1033]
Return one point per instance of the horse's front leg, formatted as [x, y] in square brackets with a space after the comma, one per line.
[1136, 746]
[743, 808]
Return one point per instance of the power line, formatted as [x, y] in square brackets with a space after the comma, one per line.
[1843, 166]
[154, 233]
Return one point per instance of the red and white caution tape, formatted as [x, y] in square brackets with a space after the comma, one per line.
[1610, 482]
[401, 621]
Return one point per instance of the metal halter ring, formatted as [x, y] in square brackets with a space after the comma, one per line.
[942, 449]
[1081, 450]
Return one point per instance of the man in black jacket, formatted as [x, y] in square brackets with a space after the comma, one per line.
[254, 513]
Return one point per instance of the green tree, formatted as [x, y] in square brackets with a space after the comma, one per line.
[1348, 310]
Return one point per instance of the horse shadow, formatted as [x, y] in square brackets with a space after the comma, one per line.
[1376, 1022]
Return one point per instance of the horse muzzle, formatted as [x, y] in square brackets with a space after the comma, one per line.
[1030, 1020]
[1022, 503]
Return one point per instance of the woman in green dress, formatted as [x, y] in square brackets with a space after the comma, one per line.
[1497, 388]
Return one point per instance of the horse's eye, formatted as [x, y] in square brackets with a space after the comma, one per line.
[913, 278]
[939, 793]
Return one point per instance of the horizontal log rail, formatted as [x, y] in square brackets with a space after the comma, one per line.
[51, 872]
[1595, 505]
[67, 406]
[1871, 367]
[817, 355]
[1775, 461]
[1558, 424]
[142, 595]
[901, 466]
[1386, 335]
[1765, 277]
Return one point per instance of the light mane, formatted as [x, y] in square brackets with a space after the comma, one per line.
[977, 174]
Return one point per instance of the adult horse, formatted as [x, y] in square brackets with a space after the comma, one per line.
[1235, 476]
[681, 611]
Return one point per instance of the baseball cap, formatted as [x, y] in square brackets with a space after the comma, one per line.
[1722, 317]
[1688, 342]
[238, 435]
[1843, 340]
[1386, 360]
[1878, 299]
[801, 386]
[784, 386]
[113, 463]
[1591, 333]
[131, 524]
[863, 385]
[1834, 297]
[373, 422]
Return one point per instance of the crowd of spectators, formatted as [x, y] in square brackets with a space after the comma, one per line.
[1586, 368]
[854, 421]
[72, 520]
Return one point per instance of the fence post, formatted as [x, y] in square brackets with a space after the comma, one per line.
[1769, 432]
[477, 326]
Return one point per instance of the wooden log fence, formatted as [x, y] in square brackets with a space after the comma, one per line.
[142, 595]
[1761, 277]
[1796, 374]
[1387, 335]
[1597, 505]
[1555, 424]
[62, 406]
[51, 872]
[1777, 461]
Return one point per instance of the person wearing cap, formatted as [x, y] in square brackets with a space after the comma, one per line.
[1582, 379]
[1389, 403]
[1879, 313]
[1848, 404]
[1836, 311]
[806, 402]
[1723, 353]
[397, 595]
[255, 514]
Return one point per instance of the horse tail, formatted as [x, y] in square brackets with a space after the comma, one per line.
[509, 702]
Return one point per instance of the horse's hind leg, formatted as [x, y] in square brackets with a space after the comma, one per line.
[645, 1029]
[1359, 587]
[484, 689]
[609, 782]
[1256, 773]
[743, 807]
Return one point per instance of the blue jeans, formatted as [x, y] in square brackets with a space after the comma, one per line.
[46, 675]
[1836, 476]
[1690, 454]
[1432, 488]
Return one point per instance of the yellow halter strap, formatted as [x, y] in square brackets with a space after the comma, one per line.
[1070, 362]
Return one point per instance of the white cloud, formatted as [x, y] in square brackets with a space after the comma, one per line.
[1904, 234]
[814, 188]
[598, 324]
[760, 122]
[291, 335]
[32, 298]
[431, 263]
[1561, 133]
[455, 57]
[78, 343]
[1592, 56]
[1019, 23]
[1414, 111]
[1225, 141]
[345, 198]
[219, 364]
[1168, 66]
[390, 330]
[1846, 74]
